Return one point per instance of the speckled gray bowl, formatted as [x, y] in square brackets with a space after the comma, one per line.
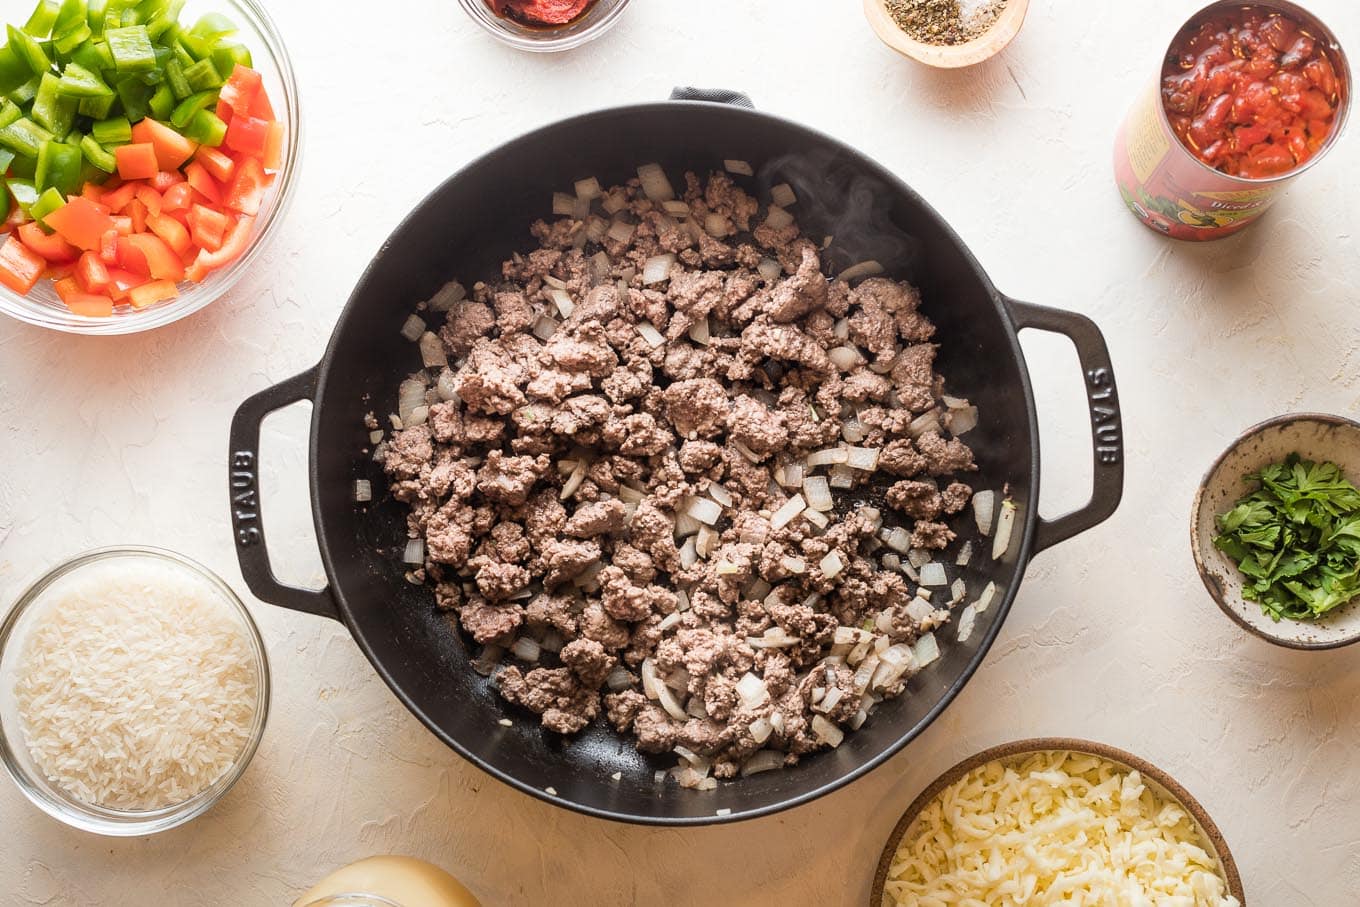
[1314, 436]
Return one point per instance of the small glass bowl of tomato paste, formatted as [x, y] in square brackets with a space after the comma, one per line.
[545, 26]
[1256, 91]
[257, 33]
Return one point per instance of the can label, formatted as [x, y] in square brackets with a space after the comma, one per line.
[1170, 190]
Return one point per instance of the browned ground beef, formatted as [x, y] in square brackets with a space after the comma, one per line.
[585, 409]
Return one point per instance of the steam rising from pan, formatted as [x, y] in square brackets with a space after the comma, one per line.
[838, 200]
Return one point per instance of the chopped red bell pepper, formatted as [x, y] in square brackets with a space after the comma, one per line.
[51, 247]
[20, 266]
[80, 222]
[152, 293]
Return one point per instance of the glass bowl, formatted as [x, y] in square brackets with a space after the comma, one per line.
[597, 20]
[19, 624]
[259, 34]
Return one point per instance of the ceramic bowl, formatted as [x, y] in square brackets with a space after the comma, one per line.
[1314, 436]
[1157, 780]
[948, 56]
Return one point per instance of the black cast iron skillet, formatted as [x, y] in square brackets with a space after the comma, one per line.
[465, 229]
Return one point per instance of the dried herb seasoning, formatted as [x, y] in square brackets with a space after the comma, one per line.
[944, 21]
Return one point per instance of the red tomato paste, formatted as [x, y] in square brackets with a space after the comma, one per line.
[1250, 92]
[541, 12]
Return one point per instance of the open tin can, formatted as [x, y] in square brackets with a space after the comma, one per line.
[1170, 188]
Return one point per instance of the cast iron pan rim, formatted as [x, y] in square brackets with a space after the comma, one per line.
[668, 108]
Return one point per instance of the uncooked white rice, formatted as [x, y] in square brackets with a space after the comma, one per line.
[137, 686]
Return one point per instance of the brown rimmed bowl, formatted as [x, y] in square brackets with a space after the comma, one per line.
[1158, 780]
[948, 56]
[1314, 436]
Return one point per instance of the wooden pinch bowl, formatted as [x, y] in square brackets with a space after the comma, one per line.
[1155, 778]
[948, 56]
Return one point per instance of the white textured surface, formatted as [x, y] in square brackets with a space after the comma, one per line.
[124, 440]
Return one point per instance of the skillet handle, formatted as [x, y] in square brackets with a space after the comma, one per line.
[712, 95]
[1107, 430]
[244, 487]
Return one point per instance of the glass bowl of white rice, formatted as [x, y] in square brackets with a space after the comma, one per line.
[134, 689]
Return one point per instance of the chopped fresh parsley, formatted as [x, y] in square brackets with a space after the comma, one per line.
[1296, 539]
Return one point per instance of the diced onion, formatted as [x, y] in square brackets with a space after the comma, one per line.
[793, 564]
[817, 518]
[706, 542]
[747, 452]
[657, 268]
[526, 649]
[786, 513]
[920, 610]
[699, 331]
[926, 650]
[563, 204]
[689, 554]
[752, 690]
[793, 475]
[669, 621]
[676, 207]
[418, 416]
[984, 509]
[715, 225]
[864, 459]
[827, 457]
[446, 387]
[928, 421]
[413, 327]
[841, 329]
[899, 540]
[544, 327]
[432, 353]
[686, 525]
[933, 574]
[957, 590]
[578, 475]
[967, 620]
[962, 421]
[868, 268]
[832, 564]
[763, 760]
[704, 510]
[833, 697]
[415, 552]
[965, 554]
[661, 692]
[655, 185]
[552, 281]
[842, 477]
[718, 492]
[621, 231]
[563, 301]
[1005, 524]
[740, 168]
[783, 195]
[588, 189]
[363, 491]
[845, 358]
[827, 732]
[769, 269]
[818, 493]
[985, 599]
[774, 638]
[778, 218]
[375, 436]
[650, 333]
[410, 394]
[448, 296]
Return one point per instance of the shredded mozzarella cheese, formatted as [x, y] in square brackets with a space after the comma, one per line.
[1054, 828]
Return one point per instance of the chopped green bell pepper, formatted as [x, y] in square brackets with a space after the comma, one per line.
[48, 201]
[40, 24]
[203, 76]
[25, 93]
[51, 109]
[206, 129]
[131, 48]
[226, 57]
[98, 155]
[174, 76]
[24, 192]
[29, 50]
[162, 103]
[24, 137]
[185, 110]
[9, 112]
[14, 70]
[116, 131]
[78, 82]
[59, 168]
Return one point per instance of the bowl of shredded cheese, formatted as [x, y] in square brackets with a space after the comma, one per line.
[134, 689]
[1056, 821]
